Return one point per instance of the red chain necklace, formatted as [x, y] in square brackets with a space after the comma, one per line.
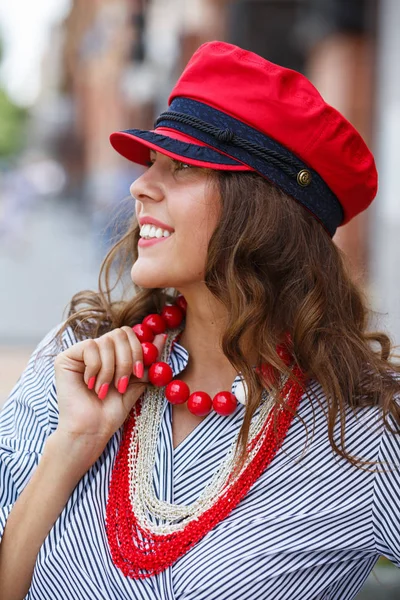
[137, 551]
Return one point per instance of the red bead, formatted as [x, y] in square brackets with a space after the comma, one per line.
[150, 353]
[181, 302]
[172, 315]
[224, 403]
[155, 322]
[177, 391]
[199, 403]
[143, 332]
[160, 374]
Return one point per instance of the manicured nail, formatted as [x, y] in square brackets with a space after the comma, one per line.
[123, 384]
[165, 335]
[139, 369]
[91, 382]
[103, 391]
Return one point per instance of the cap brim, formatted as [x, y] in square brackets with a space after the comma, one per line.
[135, 145]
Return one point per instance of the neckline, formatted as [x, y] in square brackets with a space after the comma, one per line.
[189, 440]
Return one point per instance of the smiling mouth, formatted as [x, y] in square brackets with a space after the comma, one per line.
[150, 232]
[151, 241]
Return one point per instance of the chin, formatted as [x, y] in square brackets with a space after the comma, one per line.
[149, 277]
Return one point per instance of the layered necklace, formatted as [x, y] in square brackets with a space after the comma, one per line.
[146, 535]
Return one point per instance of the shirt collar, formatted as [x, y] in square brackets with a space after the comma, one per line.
[179, 358]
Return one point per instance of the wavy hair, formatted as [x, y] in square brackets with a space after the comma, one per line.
[277, 271]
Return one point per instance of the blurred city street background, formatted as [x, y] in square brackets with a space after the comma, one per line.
[73, 71]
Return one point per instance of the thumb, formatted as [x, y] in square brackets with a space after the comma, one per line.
[159, 342]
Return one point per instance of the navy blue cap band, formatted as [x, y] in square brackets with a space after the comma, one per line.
[253, 148]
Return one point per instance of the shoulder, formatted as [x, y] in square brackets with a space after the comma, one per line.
[53, 343]
[36, 382]
[58, 339]
[359, 430]
[30, 412]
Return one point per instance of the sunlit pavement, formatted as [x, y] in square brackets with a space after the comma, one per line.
[52, 254]
[13, 361]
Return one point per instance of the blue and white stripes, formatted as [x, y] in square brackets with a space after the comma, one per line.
[311, 527]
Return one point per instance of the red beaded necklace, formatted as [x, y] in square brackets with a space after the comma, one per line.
[137, 550]
[176, 391]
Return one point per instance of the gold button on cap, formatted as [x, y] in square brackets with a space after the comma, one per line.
[304, 177]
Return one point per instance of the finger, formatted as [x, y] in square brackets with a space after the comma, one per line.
[137, 352]
[107, 357]
[92, 360]
[75, 356]
[83, 357]
[159, 342]
[123, 360]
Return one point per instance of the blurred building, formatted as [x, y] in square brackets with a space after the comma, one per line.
[120, 59]
[98, 36]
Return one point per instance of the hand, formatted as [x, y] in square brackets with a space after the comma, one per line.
[93, 415]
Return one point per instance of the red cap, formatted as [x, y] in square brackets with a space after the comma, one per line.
[232, 109]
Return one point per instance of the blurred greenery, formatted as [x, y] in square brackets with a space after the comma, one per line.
[385, 562]
[12, 126]
[12, 122]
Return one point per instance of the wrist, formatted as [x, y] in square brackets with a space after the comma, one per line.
[74, 453]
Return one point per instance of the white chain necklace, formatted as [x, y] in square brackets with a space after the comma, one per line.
[142, 459]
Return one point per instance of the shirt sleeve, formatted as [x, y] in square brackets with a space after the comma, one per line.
[386, 506]
[28, 417]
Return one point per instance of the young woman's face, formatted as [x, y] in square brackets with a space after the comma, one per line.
[181, 198]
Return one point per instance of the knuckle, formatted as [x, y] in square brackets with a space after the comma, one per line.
[105, 341]
[125, 365]
[119, 333]
[107, 373]
[90, 343]
[134, 341]
[128, 331]
[93, 363]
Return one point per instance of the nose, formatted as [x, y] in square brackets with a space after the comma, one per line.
[146, 188]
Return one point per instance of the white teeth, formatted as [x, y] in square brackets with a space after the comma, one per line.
[145, 230]
[150, 231]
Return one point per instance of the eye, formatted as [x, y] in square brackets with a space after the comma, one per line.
[179, 165]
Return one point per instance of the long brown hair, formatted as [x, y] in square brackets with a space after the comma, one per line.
[276, 271]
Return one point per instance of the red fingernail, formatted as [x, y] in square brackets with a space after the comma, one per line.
[91, 382]
[103, 391]
[139, 369]
[122, 385]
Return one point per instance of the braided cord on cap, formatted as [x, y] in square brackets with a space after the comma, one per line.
[227, 136]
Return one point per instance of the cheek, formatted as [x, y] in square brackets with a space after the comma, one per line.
[193, 241]
[181, 261]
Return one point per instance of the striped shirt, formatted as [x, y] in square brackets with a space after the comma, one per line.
[311, 527]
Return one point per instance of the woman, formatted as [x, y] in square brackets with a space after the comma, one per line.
[150, 482]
